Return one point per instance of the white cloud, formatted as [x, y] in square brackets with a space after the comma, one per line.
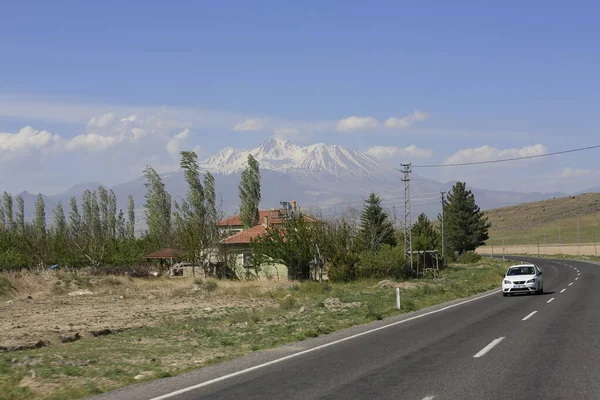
[101, 121]
[92, 142]
[27, 138]
[174, 145]
[131, 118]
[355, 123]
[285, 131]
[488, 153]
[569, 172]
[249, 125]
[403, 123]
[387, 152]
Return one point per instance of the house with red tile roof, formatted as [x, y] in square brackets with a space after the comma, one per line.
[238, 240]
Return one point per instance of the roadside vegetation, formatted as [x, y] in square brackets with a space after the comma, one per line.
[204, 322]
[81, 314]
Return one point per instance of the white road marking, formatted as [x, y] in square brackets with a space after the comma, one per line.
[550, 301]
[487, 348]
[528, 316]
[429, 398]
[577, 278]
[294, 355]
[563, 290]
[578, 274]
[570, 283]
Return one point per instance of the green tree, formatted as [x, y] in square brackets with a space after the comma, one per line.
[40, 218]
[210, 207]
[3, 223]
[130, 229]
[121, 231]
[375, 227]
[103, 206]
[466, 228]
[60, 222]
[292, 244]
[157, 208]
[424, 235]
[8, 211]
[249, 188]
[74, 218]
[20, 217]
[112, 214]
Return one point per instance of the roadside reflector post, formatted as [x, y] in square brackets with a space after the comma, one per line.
[398, 298]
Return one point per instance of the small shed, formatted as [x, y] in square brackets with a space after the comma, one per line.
[167, 254]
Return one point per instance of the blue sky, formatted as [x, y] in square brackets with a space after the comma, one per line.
[506, 76]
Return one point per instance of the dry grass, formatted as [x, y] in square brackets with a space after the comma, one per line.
[172, 327]
[530, 222]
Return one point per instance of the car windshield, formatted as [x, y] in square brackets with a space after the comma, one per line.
[521, 271]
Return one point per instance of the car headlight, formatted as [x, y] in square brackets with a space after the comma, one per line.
[507, 282]
[531, 280]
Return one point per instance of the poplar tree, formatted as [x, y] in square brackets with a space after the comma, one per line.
[249, 189]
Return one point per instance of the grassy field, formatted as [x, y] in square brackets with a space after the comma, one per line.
[550, 222]
[222, 320]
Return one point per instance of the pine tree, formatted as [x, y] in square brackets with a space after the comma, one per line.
[466, 228]
[20, 217]
[424, 235]
[8, 211]
[157, 208]
[130, 229]
[375, 227]
[249, 188]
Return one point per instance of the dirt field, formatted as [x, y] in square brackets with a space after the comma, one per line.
[43, 313]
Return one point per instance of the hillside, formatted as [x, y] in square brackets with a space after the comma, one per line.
[550, 221]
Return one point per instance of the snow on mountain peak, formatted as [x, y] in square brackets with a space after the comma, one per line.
[317, 160]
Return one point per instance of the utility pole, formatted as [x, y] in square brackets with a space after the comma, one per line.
[538, 242]
[443, 237]
[559, 242]
[406, 170]
[595, 248]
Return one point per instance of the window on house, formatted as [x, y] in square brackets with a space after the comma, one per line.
[248, 260]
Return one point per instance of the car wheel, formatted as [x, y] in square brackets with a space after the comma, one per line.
[504, 294]
[541, 290]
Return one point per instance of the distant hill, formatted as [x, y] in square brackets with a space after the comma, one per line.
[549, 221]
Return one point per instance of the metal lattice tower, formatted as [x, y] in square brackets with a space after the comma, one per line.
[408, 251]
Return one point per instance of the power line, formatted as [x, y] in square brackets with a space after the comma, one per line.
[507, 159]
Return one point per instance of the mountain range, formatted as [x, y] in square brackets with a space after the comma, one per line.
[328, 177]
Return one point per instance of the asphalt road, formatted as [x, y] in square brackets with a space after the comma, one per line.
[490, 347]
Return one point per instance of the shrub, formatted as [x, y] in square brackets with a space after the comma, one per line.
[6, 287]
[287, 303]
[386, 263]
[343, 267]
[469, 257]
[211, 286]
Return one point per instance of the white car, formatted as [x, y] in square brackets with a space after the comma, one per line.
[522, 278]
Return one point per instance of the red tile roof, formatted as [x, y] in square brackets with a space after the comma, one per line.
[237, 221]
[244, 237]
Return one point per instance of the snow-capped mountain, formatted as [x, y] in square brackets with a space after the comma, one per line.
[317, 161]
